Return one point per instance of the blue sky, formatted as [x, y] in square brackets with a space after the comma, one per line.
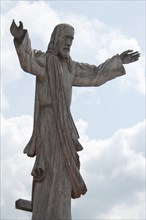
[110, 118]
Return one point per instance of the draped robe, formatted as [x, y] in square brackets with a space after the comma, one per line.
[54, 141]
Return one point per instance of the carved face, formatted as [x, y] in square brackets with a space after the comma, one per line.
[64, 42]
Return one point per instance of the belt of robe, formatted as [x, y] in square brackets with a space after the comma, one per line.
[46, 106]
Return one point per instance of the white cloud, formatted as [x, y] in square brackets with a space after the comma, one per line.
[15, 166]
[133, 211]
[11, 72]
[135, 78]
[116, 42]
[95, 37]
[7, 5]
[41, 27]
[92, 37]
[4, 102]
[114, 170]
[91, 94]
[87, 31]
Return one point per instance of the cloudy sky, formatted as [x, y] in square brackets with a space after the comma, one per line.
[110, 118]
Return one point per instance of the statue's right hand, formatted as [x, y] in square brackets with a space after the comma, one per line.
[17, 31]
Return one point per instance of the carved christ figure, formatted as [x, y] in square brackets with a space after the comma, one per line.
[54, 141]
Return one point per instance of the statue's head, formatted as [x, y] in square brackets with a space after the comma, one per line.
[61, 40]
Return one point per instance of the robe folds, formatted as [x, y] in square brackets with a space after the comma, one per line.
[54, 141]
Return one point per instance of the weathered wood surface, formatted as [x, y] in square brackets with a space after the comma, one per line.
[23, 204]
[54, 142]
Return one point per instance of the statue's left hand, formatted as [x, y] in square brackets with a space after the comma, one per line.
[17, 31]
[129, 56]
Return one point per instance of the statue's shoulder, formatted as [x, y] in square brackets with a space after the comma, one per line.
[39, 57]
[39, 53]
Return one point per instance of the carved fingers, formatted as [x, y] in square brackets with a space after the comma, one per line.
[20, 25]
[135, 56]
[129, 56]
[17, 31]
[13, 27]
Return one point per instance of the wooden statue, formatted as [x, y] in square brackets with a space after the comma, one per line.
[54, 141]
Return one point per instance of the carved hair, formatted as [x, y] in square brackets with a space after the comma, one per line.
[52, 47]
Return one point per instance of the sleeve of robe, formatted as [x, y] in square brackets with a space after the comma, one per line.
[34, 62]
[91, 75]
[31, 61]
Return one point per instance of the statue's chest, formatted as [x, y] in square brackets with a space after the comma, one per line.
[67, 79]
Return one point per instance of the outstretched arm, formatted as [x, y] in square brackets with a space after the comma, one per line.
[91, 75]
[31, 61]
